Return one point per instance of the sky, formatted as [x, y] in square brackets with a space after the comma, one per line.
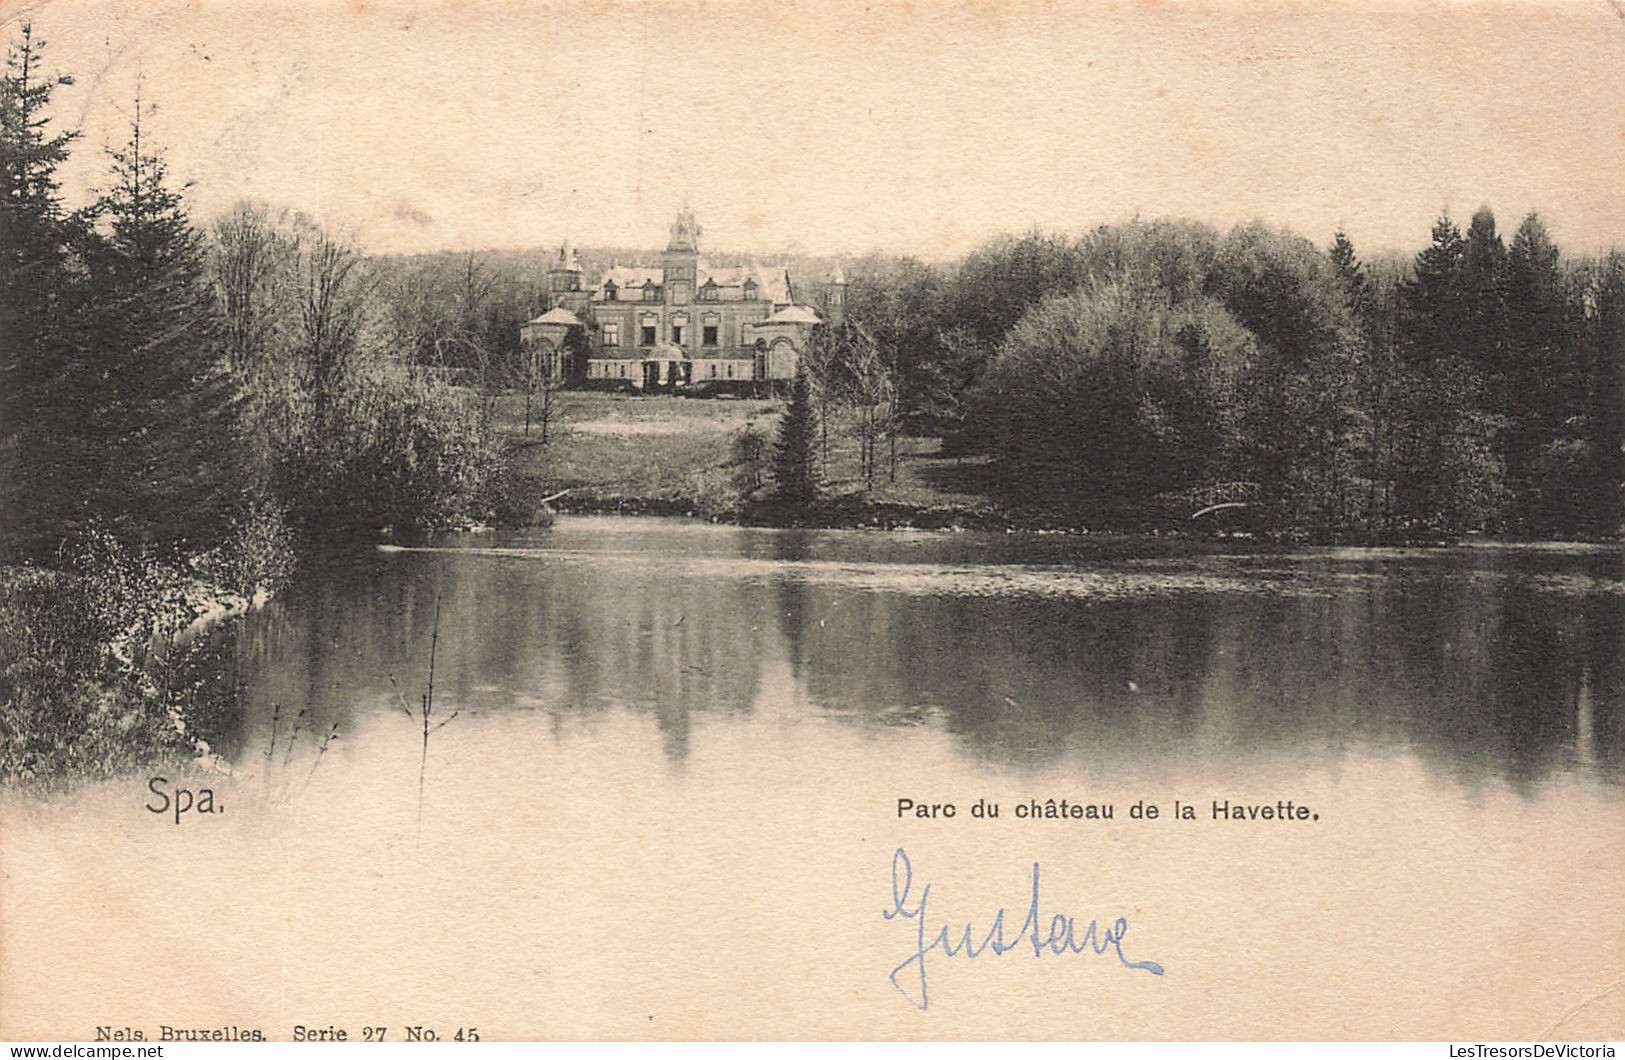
[836, 127]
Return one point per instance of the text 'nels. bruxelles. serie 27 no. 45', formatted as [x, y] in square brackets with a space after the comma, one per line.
[300, 1033]
[1080, 810]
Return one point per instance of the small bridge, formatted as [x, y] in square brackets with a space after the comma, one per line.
[1205, 500]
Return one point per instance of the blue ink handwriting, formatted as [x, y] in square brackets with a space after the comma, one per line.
[1061, 938]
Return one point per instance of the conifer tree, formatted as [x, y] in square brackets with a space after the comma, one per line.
[39, 294]
[1433, 300]
[1542, 378]
[795, 459]
[163, 409]
[1605, 414]
[1447, 476]
[1483, 294]
[1350, 274]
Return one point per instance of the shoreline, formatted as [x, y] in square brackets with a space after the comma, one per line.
[79, 710]
[674, 456]
[851, 512]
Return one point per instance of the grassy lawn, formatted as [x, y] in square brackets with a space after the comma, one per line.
[678, 452]
[607, 446]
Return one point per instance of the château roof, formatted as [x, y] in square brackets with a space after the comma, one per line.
[632, 276]
[772, 283]
[795, 314]
[558, 315]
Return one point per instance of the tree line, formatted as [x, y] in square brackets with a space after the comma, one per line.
[1148, 367]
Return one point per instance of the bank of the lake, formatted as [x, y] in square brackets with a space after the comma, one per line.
[620, 454]
[106, 673]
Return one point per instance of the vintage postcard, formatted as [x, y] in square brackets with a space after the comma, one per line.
[812, 520]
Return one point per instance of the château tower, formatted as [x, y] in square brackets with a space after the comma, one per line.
[682, 258]
[564, 275]
[835, 297]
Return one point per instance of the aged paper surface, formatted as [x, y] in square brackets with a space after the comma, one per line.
[685, 779]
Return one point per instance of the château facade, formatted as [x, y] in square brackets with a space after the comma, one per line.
[678, 323]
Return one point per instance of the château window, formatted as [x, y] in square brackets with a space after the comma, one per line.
[677, 334]
[651, 293]
[610, 291]
[750, 290]
[708, 293]
[612, 334]
[709, 336]
[648, 335]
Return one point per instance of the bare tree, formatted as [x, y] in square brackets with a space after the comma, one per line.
[252, 250]
[537, 374]
[334, 293]
[871, 390]
[824, 359]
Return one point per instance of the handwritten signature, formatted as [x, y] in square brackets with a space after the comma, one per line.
[1062, 938]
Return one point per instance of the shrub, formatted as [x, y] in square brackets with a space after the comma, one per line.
[397, 450]
[751, 449]
[128, 597]
[74, 698]
[258, 553]
[508, 498]
[424, 458]
[100, 670]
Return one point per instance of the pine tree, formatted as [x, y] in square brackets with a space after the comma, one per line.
[1371, 388]
[1350, 274]
[1542, 380]
[795, 459]
[1483, 294]
[1447, 475]
[1433, 297]
[1605, 414]
[163, 410]
[39, 294]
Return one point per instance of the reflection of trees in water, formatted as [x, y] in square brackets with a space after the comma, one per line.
[666, 645]
[1021, 681]
[516, 633]
[1479, 675]
[1605, 684]
[793, 546]
[1492, 674]
[299, 654]
[1474, 675]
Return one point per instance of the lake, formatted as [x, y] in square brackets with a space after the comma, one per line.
[665, 798]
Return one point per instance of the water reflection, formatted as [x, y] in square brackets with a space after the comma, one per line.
[1486, 664]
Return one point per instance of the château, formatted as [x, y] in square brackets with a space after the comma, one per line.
[679, 323]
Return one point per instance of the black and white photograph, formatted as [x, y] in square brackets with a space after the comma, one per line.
[707, 520]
